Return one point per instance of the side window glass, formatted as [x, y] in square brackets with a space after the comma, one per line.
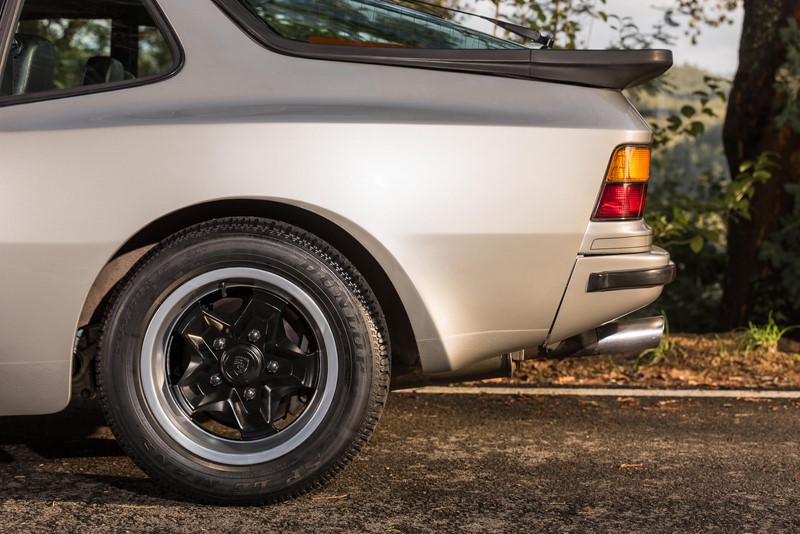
[67, 44]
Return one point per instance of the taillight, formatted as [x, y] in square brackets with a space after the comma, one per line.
[621, 201]
[625, 188]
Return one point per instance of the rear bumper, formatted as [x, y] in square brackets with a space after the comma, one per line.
[616, 280]
[604, 288]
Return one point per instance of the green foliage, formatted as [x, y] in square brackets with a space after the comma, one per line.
[687, 214]
[154, 54]
[562, 20]
[740, 192]
[691, 223]
[763, 338]
[694, 212]
[707, 102]
[700, 13]
[692, 194]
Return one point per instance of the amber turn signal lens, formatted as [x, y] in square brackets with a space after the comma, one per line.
[630, 164]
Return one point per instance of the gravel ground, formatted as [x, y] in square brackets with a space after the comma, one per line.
[467, 463]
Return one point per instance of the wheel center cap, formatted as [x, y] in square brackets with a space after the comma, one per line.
[242, 364]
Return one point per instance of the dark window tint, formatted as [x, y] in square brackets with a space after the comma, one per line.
[367, 23]
[63, 44]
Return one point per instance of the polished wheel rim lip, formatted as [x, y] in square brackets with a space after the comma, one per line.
[168, 411]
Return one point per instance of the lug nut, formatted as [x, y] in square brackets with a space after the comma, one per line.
[220, 343]
[273, 366]
[249, 394]
[254, 336]
[215, 380]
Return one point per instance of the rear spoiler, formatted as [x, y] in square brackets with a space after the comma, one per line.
[608, 69]
[612, 69]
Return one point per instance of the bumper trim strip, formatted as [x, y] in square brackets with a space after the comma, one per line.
[616, 280]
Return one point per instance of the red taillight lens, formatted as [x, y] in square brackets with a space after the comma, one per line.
[621, 201]
[625, 187]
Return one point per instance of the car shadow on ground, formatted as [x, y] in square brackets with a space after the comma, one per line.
[72, 433]
[70, 456]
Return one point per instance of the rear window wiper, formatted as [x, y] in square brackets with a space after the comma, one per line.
[522, 31]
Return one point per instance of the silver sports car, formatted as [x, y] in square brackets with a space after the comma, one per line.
[234, 220]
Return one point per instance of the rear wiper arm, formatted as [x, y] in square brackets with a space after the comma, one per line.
[523, 31]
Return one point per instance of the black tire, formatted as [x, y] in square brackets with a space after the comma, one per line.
[278, 407]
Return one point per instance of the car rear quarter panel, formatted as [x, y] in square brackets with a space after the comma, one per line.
[473, 192]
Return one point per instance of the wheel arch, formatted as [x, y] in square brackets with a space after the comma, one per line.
[405, 354]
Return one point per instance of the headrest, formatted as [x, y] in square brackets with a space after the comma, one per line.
[34, 61]
[103, 69]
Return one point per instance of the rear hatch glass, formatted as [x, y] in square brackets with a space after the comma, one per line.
[368, 23]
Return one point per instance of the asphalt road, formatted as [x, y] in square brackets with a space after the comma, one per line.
[447, 463]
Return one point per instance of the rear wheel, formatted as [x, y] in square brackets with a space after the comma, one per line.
[243, 361]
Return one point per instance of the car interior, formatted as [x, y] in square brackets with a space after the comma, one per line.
[62, 44]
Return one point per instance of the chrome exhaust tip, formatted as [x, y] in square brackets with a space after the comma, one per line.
[634, 335]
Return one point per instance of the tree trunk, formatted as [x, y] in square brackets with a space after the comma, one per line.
[750, 130]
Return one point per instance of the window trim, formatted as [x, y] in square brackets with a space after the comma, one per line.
[170, 36]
